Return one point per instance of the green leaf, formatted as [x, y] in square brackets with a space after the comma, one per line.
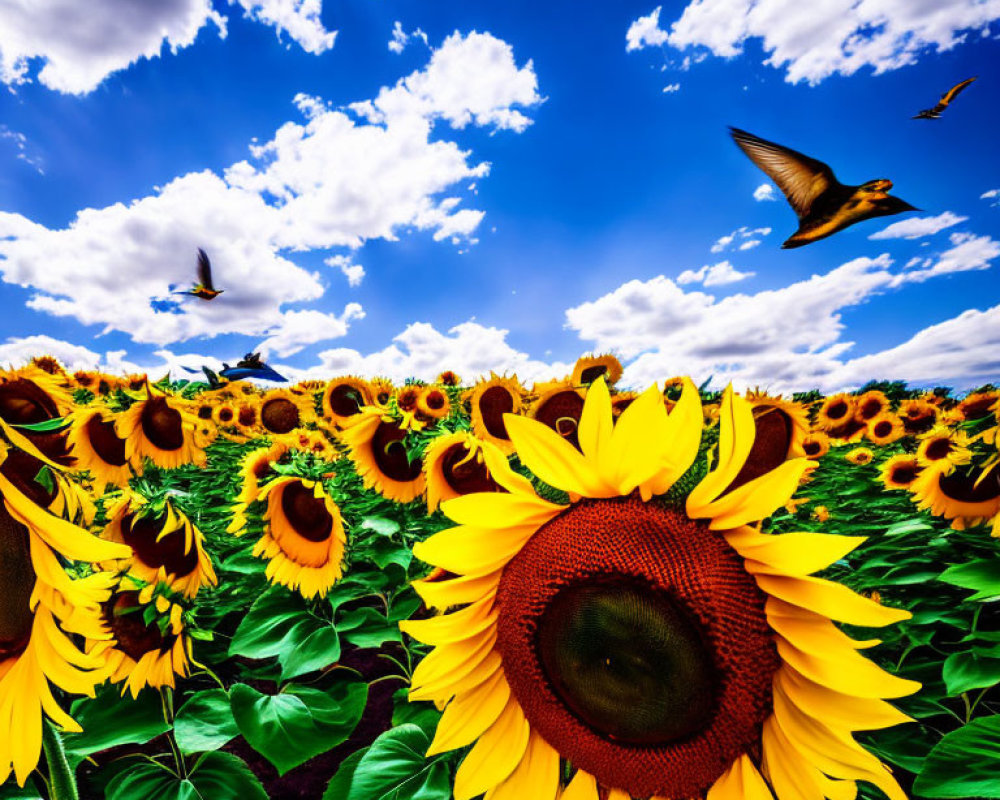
[394, 768]
[265, 628]
[340, 783]
[205, 722]
[422, 714]
[290, 728]
[218, 776]
[109, 720]
[317, 648]
[983, 576]
[366, 627]
[44, 479]
[45, 426]
[965, 763]
[969, 670]
[380, 525]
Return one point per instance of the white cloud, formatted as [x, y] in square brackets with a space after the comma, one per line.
[670, 88]
[764, 192]
[297, 329]
[992, 194]
[645, 32]
[354, 273]
[714, 275]
[401, 38]
[968, 253]
[333, 181]
[21, 145]
[79, 44]
[470, 79]
[300, 19]
[744, 235]
[917, 227]
[812, 41]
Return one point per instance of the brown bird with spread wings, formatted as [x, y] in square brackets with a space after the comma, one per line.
[823, 204]
[204, 288]
[946, 98]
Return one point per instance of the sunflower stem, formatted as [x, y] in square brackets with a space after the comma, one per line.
[62, 781]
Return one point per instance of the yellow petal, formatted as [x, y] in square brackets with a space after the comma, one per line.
[468, 716]
[537, 776]
[857, 676]
[467, 550]
[582, 787]
[792, 553]
[496, 754]
[835, 708]
[635, 452]
[752, 501]
[554, 460]
[741, 781]
[594, 430]
[457, 591]
[736, 434]
[830, 599]
[682, 437]
[494, 510]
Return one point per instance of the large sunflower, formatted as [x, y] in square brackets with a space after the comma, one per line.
[380, 457]
[98, 448]
[304, 537]
[344, 398]
[489, 401]
[161, 429]
[662, 648]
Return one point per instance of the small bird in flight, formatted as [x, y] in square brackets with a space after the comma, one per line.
[823, 204]
[203, 288]
[946, 98]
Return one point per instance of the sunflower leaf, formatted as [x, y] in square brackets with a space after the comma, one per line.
[983, 576]
[220, 776]
[108, 720]
[965, 763]
[205, 722]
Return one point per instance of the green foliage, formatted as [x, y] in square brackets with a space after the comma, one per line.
[219, 776]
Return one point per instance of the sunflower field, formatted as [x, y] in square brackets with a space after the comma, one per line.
[355, 590]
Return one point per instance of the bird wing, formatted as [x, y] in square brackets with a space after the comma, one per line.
[954, 91]
[204, 270]
[802, 179]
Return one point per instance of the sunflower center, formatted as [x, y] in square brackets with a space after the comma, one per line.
[772, 438]
[464, 474]
[162, 424]
[811, 447]
[306, 513]
[961, 487]
[870, 408]
[279, 415]
[562, 412]
[904, 473]
[109, 447]
[225, 414]
[390, 456]
[204, 411]
[493, 404]
[345, 400]
[591, 374]
[938, 449]
[20, 469]
[134, 637]
[17, 577]
[435, 400]
[247, 416]
[837, 409]
[24, 403]
[882, 428]
[140, 533]
[637, 645]
[406, 400]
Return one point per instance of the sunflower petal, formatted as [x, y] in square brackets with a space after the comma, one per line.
[594, 430]
[554, 460]
[792, 553]
[495, 756]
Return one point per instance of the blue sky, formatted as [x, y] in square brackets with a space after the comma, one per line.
[508, 186]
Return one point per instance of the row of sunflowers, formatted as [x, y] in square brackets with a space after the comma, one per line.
[353, 590]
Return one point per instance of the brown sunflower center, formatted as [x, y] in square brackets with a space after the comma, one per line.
[406, 400]
[772, 438]
[978, 407]
[109, 447]
[637, 645]
[465, 475]
[162, 425]
[904, 474]
[390, 455]
[205, 411]
[140, 533]
[562, 412]
[962, 487]
[247, 416]
[22, 402]
[20, 469]
[870, 408]
[17, 577]
[591, 374]
[435, 399]
[882, 428]
[280, 415]
[135, 638]
[306, 513]
[811, 447]
[938, 449]
[345, 400]
[225, 414]
[493, 404]
[837, 410]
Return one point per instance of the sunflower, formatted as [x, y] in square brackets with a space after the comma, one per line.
[977, 405]
[816, 444]
[448, 378]
[490, 400]
[344, 397]
[780, 428]
[941, 445]
[86, 379]
[168, 548]
[282, 412]
[454, 465]
[224, 413]
[204, 406]
[869, 405]
[622, 400]
[161, 429]
[559, 407]
[253, 469]
[304, 537]
[30, 395]
[248, 418]
[142, 653]
[885, 429]
[957, 495]
[589, 368]
[50, 365]
[433, 403]
[407, 398]
[663, 649]
[918, 415]
[382, 391]
[377, 449]
[860, 456]
[900, 471]
[672, 388]
[98, 448]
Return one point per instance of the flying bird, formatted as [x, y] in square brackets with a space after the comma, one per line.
[823, 204]
[946, 98]
[251, 366]
[204, 287]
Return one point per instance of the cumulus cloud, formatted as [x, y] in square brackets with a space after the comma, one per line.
[401, 38]
[742, 236]
[918, 227]
[300, 19]
[354, 273]
[714, 275]
[331, 181]
[471, 79]
[645, 32]
[812, 41]
[967, 253]
[764, 192]
[79, 44]
[297, 329]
